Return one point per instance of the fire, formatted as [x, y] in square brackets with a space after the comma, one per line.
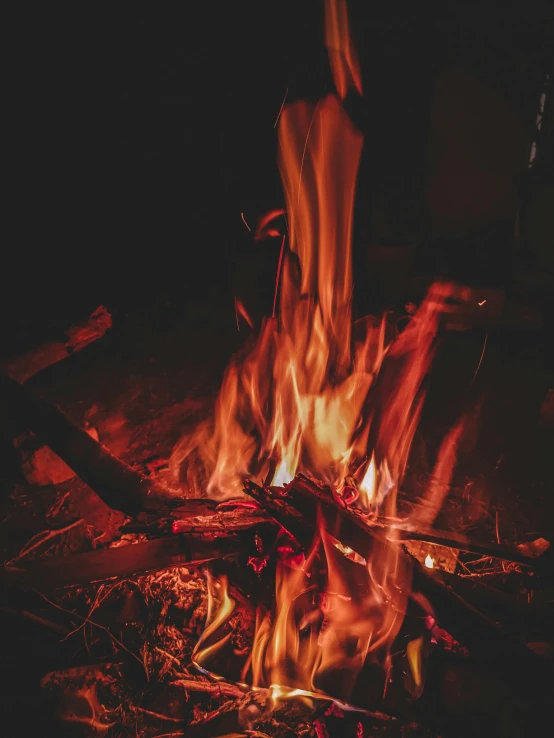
[342, 56]
[308, 397]
[368, 484]
[429, 562]
[217, 616]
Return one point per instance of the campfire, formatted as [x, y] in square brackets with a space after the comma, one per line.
[283, 571]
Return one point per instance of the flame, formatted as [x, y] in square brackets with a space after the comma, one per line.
[217, 616]
[296, 398]
[429, 562]
[283, 475]
[413, 652]
[312, 395]
[342, 56]
[368, 484]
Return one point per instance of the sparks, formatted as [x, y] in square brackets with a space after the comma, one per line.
[281, 108]
[244, 221]
[480, 360]
[278, 276]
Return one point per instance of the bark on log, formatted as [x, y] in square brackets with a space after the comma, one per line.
[119, 486]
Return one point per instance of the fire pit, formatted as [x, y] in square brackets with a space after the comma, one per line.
[333, 546]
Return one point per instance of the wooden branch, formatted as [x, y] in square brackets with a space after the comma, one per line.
[78, 336]
[43, 536]
[462, 543]
[214, 689]
[121, 562]
[119, 486]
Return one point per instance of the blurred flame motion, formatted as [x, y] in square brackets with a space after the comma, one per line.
[311, 395]
[296, 398]
[342, 55]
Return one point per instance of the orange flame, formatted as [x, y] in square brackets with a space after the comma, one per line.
[308, 398]
[342, 56]
[299, 391]
[217, 616]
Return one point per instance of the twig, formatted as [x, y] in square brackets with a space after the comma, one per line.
[157, 715]
[218, 689]
[169, 656]
[57, 506]
[35, 618]
[97, 625]
[45, 535]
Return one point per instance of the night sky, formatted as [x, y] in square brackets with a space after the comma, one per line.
[146, 130]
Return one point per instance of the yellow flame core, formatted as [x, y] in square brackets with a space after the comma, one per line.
[413, 652]
[217, 616]
[368, 485]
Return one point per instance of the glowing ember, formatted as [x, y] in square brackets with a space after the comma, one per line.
[429, 562]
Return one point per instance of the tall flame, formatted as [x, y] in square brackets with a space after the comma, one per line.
[342, 55]
[311, 396]
[297, 397]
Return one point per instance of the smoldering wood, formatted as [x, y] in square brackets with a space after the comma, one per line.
[117, 484]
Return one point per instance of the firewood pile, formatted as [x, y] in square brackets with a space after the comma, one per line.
[125, 618]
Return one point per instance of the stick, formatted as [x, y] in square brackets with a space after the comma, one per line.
[121, 562]
[455, 540]
[215, 689]
[43, 536]
[119, 486]
[24, 367]
[35, 619]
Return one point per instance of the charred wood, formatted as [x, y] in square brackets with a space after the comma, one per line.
[121, 562]
[117, 484]
[78, 337]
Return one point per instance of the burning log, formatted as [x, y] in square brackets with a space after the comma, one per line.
[286, 508]
[296, 507]
[119, 486]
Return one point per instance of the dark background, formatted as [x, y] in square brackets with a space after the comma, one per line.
[142, 132]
